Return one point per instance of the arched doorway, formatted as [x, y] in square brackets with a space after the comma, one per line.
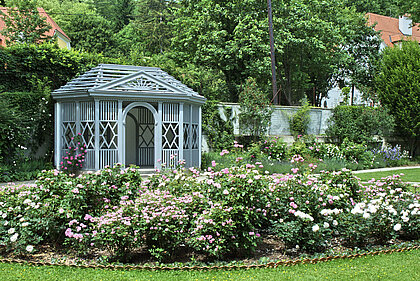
[140, 137]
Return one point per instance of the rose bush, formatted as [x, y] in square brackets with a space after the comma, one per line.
[216, 212]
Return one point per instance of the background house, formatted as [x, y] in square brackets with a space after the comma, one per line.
[55, 32]
[392, 31]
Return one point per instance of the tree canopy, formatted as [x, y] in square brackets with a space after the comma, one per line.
[318, 44]
[398, 87]
[24, 23]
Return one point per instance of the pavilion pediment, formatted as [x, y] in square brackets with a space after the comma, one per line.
[138, 82]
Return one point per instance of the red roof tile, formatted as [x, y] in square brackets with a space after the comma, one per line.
[50, 21]
[389, 28]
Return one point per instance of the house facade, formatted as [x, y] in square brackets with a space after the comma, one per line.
[55, 32]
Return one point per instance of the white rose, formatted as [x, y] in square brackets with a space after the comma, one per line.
[14, 237]
[397, 227]
[29, 248]
[315, 228]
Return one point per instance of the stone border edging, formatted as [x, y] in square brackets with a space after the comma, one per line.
[222, 267]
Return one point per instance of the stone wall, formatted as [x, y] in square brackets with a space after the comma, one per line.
[280, 119]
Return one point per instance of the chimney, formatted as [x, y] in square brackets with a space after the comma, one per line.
[404, 24]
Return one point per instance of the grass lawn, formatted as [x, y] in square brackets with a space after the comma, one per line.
[410, 175]
[396, 266]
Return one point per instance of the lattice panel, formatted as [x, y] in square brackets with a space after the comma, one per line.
[108, 110]
[87, 130]
[195, 136]
[146, 128]
[146, 135]
[187, 136]
[108, 135]
[107, 157]
[69, 112]
[170, 158]
[87, 111]
[170, 112]
[170, 135]
[68, 132]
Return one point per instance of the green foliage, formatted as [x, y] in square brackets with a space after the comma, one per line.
[218, 131]
[230, 37]
[25, 124]
[398, 88]
[24, 64]
[358, 123]
[412, 9]
[391, 8]
[299, 121]
[23, 170]
[255, 110]
[357, 153]
[119, 12]
[151, 28]
[23, 23]
[274, 148]
[92, 34]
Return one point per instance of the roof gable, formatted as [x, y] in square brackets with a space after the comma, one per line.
[137, 82]
[389, 28]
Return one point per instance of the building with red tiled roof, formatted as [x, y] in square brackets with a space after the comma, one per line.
[55, 32]
[394, 30]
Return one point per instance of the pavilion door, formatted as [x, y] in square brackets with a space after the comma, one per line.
[142, 128]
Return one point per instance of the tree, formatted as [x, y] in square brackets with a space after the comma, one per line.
[92, 33]
[119, 12]
[359, 124]
[318, 44]
[255, 110]
[229, 36]
[23, 23]
[389, 8]
[412, 8]
[149, 31]
[398, 88]
[308, 39]
[232, 37]
[362, 49]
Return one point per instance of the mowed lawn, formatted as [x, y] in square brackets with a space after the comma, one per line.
[395, 266]
[410, 175]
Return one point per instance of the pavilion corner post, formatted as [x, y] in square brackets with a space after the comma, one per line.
[97, 132]
[120, 136]
[57, 134]
[199, 136]
[158, 141]
[181, 132]
[276, 99]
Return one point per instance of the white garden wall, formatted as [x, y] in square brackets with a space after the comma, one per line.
[280, 121]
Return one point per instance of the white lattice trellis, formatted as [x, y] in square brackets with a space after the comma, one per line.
[170, 134]
[108, 133]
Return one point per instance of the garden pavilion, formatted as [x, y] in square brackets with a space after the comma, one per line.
[130, 115]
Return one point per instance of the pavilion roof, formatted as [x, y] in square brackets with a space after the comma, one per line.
[126, 80]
